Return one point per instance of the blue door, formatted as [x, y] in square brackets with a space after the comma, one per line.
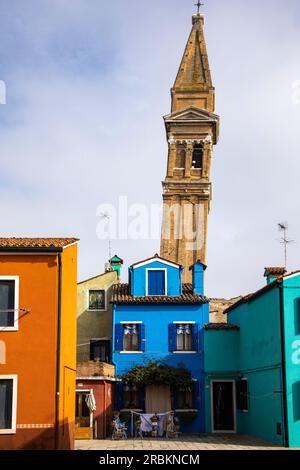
[156, 283]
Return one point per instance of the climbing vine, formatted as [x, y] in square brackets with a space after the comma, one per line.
[159, 373]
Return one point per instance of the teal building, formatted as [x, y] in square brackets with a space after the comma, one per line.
[252, 364]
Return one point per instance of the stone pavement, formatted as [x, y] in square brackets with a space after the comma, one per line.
[187, 442]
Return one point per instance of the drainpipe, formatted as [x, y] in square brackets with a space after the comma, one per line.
[57, 396]
[283, 356]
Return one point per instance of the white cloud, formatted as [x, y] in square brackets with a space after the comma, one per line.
[87, 84]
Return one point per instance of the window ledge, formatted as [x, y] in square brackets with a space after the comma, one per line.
[185, 352]
[135, 410]
[95, 311]
[131, 352]
[8, 431]
[186, 411]
[3, 329]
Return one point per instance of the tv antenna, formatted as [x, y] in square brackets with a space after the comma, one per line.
[106, 216]
[283, 227]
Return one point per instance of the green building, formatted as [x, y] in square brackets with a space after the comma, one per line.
[252, 364]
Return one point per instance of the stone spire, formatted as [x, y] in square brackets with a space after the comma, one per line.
[193, 84]
[192, 130]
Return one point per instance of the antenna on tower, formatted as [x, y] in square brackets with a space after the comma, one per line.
[283, 227]
[106, 216]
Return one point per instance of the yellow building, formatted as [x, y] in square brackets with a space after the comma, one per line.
[95, 372]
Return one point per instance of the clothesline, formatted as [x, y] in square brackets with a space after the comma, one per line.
[147, 424]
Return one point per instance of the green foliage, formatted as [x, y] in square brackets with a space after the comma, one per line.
[159, 373]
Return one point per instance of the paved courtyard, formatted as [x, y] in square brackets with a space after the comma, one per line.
[187, 442]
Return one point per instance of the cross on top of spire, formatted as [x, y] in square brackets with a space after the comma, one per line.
[199, 5]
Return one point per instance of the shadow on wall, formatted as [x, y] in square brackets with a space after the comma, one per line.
[296, 401]
[45, 439]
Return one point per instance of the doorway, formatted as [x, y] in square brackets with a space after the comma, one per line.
[84, 417]
[158, 399]
[223, 406]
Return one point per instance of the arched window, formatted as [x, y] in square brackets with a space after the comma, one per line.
[198, 157]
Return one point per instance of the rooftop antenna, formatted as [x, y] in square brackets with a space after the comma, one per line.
[283, 227]
[199, 5]
[106, 216]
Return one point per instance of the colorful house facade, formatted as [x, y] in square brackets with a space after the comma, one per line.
[38, 280]
[252, 364]
[157, 317]
[95, 372]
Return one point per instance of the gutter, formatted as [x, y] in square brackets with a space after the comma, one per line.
[58, 349]
[31, 249]
[283, 353]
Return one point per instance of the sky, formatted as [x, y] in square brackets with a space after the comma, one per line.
[87, 83]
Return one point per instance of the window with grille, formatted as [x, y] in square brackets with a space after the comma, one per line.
[184, 337]
[96, 300]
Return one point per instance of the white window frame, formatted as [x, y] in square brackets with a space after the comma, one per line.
[88, 299]
[91, 391]
[166, 281]
[13, 429]
[234, 431]
[138, 323]
[192, 323]
[16, 303]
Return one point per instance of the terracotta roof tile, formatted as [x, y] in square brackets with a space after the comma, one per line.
[121, 295]
[221, 326]
[19, 243]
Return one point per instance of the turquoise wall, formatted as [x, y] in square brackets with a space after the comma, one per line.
[254, 353]
[221, 351]
[291, 296]
[260, 362]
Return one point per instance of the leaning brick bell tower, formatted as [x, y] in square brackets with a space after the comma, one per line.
[192, 130]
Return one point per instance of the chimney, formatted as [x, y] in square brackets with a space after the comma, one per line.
[274, 273]
[198, 277]
[116, 263]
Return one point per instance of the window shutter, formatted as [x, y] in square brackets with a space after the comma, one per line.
[172, 338]
[197, 395]
[119, 329]
[142, 338]
[196, 338]
[119, 395]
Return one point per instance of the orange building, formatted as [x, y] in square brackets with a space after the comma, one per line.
[38, 292]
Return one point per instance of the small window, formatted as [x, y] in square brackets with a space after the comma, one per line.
[184, 399]
[242, 395]
[184, 337]
[131, 337]
[131, 397]
[96, 300]
[100, 350]
[7, 303]
[197, 157]
[156, 282]
[6, 405]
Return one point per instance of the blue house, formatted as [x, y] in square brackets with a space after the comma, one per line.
[252, 364]
[156, 317]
